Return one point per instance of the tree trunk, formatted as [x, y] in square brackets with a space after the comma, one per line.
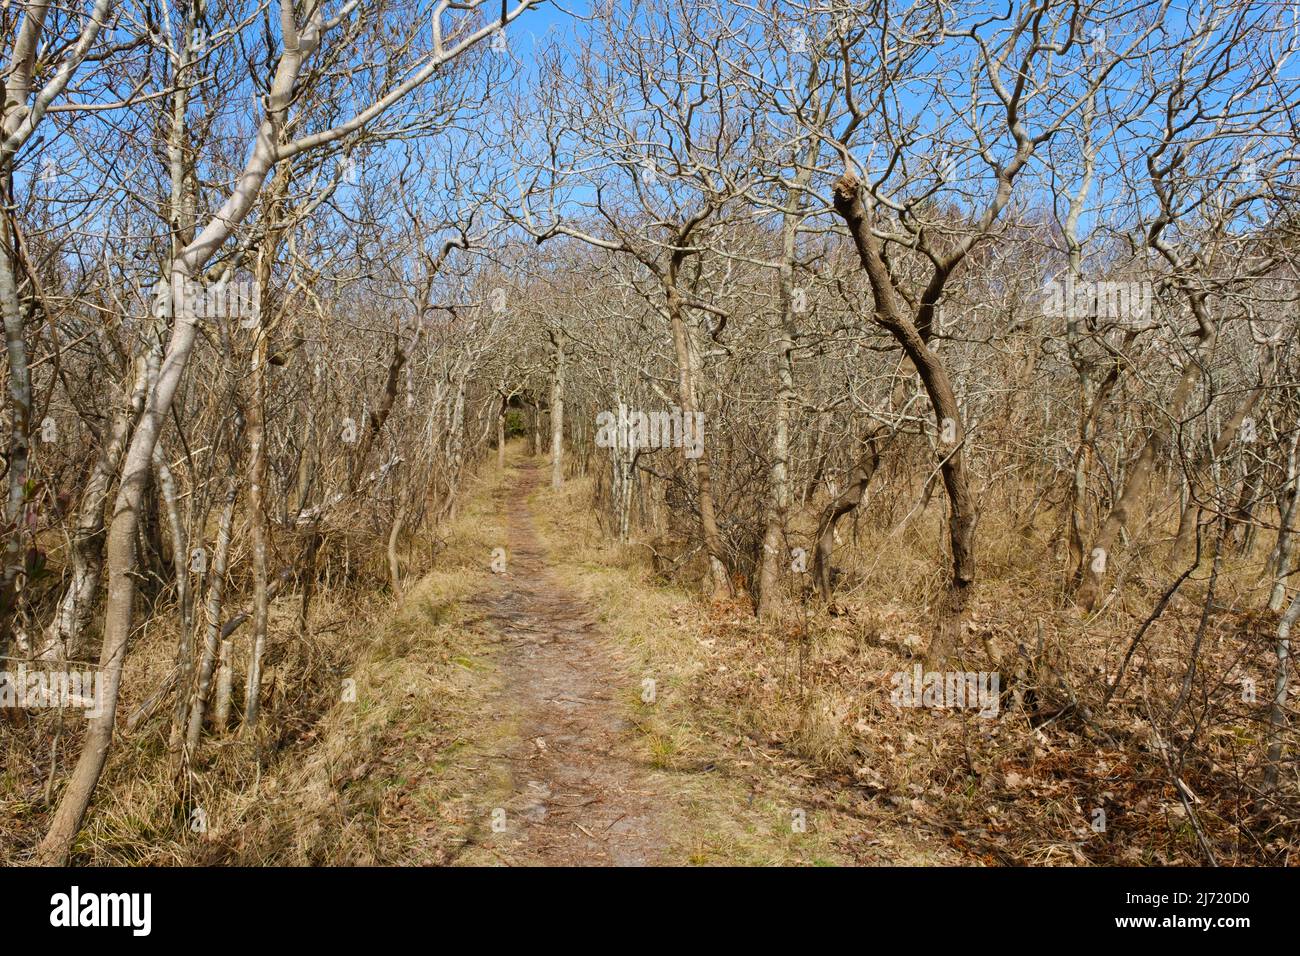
[202, 687]
[855, 486]
[20, 399]
[721, 583]
[314, 540]
[1286, 513]
[557, 415]
[934, 377]
[1077, 507]
[180, 565]
[501, 437]
[261, 531]
[225, 684]
[63, 637]
[778, 499]
[1277, 716]
[1243, 513]
[394, 565]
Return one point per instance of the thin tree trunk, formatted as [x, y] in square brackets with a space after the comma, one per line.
[1243, 512]
[394, 565]
[962, 511]
[1285, 537]
[225, 684]
[721, 582]
[63, 637]
[855, 486]
[1077, 507]
[180, 565]
[212, 635]
[501, 437]
[778, 498]
[314, 540]
[557, 415]
[20, 399]
[261, 531]
[1277, 716]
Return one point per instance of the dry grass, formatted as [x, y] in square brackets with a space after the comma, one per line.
[752, 722]
[738, 797]
[325, 777]
[799, 710]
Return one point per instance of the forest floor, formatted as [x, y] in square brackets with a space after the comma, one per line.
[542, 696]
[568, 708]
[565, 733]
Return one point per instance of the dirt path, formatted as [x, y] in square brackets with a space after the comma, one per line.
[499, 720]
[577, 793]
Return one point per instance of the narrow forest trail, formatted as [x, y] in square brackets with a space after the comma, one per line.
[502, 718]
[575, 793]
[560, 710]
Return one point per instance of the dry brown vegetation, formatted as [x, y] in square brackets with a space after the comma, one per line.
[953, 342]
[803, 705]
[326, 776]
